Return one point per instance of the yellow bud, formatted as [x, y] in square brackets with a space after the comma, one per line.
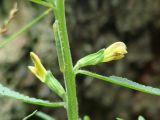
[115, 51]
[38, 69]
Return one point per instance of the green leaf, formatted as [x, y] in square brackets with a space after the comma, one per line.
[42, 3]
[123, 82]
[44, 116]
[4, 91]
[30, 115]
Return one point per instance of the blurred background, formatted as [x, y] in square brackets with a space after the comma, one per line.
[92, 25]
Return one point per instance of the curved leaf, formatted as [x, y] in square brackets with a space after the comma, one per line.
[123, 82]
[4, 91]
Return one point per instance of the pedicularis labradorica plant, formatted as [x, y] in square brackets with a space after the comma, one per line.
[67, 93]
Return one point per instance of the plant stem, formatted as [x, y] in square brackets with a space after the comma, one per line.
[69, 76]
[30, 115]
[22, 30]
[44, 116]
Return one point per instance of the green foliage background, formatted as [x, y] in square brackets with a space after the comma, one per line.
[92, 25]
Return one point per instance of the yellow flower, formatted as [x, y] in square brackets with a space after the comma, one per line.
[115, 51]
[38, 69]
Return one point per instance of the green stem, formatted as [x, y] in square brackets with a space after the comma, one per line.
[54, 104]
[30, 115]
[44, 116]
[25, 28]
[69, 76]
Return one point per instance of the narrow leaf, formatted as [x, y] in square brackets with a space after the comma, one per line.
[42, 3]
[23, 29]
[44, 116]
[4, 91]
[30, 115]
[123, 82]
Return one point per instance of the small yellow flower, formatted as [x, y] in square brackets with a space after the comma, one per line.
[115, 51]
[38, 69]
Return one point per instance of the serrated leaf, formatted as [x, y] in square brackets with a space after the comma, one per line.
[4, 91]
[133, 85]
[123, 82]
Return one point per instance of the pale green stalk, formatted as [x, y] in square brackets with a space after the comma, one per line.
[30, 115]
[69, 76]
[44, 116]
[24, 29]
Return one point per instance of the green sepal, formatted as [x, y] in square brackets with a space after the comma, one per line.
[91, 59]
[54, 85]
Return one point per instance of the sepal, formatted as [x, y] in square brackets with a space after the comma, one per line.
[54, 85]
[91, 59]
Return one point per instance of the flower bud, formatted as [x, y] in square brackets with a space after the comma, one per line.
[115, 51]
[38, 69]
[46, 76]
